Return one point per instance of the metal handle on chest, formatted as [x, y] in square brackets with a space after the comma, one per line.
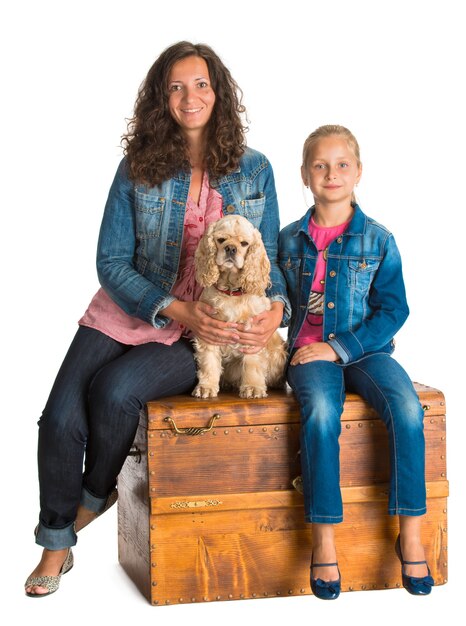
[193, 430]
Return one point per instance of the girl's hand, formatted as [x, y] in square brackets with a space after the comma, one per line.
[255, 335]
[199, 317]
[319, 351]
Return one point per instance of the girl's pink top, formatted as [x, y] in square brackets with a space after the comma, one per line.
[105, 315]
[311, 330]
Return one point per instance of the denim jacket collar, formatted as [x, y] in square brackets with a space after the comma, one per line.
[357, 226]
[213, 181]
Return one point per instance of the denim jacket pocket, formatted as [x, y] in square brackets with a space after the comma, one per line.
[253, 209]
[149, 213]
[361, 274]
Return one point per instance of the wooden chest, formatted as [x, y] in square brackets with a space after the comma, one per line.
[211, 513]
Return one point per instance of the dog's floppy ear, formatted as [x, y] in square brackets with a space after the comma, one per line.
[255, 276]
[207, 272]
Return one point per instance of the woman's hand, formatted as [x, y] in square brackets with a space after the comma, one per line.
[258, 331]
[199, 317]
[319, 351]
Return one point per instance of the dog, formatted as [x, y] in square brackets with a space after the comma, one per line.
[233, 268]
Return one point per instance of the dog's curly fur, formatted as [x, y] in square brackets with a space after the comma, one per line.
[231, 257]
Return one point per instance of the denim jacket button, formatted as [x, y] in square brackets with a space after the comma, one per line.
[332, 274]
[340, 239]
[230, 208]
[331, 305]
[331, 336]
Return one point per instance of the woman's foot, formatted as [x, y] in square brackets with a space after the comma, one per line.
[51, 565]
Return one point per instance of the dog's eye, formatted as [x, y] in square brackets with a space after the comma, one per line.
[244, 244]
[221, 240]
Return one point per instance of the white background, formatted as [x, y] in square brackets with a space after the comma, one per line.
[390, 71]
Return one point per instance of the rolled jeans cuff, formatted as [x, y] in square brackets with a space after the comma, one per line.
[91, 502]
[56, 538]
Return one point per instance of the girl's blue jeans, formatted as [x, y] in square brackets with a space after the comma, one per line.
[91, 418]
[320, 389]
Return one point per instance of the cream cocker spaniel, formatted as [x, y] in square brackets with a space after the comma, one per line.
[233, 267]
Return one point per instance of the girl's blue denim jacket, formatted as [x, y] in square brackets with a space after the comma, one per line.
[141, 235]
[365, 300]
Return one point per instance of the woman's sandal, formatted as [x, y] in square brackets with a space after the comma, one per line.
[51, 583]
[417, 586]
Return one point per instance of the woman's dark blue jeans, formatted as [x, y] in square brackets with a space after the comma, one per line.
[91, 418]
[320, 387]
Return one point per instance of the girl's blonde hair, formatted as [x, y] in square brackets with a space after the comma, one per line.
[330, 130]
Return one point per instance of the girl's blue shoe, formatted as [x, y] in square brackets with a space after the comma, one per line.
[417, 586]
[325, 590]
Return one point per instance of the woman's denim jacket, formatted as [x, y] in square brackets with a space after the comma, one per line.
[365, 301]
[142, 232]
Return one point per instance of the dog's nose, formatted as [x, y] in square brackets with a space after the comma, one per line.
[230, 250]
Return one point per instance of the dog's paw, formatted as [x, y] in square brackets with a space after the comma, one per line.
[247, 391]
[201, 391]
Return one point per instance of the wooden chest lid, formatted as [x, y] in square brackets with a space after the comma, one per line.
[280, 407]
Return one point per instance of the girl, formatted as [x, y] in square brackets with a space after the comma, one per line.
[346, 287]
[186, 165]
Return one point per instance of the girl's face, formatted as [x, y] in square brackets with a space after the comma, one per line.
[332, 170]
[191, 98]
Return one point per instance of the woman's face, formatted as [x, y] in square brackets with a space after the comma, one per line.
[191, 98]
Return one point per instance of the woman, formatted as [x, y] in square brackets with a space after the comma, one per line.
[185, 165]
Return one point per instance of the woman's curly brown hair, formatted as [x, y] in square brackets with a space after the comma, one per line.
[154, 144]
